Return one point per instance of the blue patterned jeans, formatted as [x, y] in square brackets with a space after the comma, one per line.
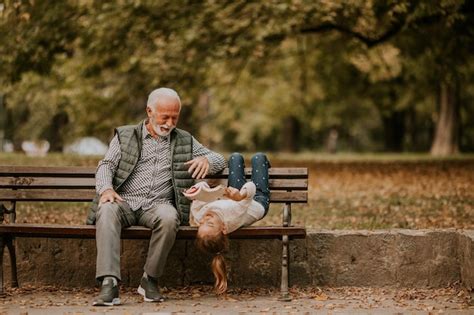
[260, 166]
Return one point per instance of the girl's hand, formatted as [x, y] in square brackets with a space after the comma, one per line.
[190, 190]
[234, 194]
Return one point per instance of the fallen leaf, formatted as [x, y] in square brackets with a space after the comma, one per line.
[321, 297]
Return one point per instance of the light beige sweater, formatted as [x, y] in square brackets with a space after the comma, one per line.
[234, 214]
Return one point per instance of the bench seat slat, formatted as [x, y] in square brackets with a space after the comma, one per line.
[86, 195]
[89, 183]
[136, 232]
[274, 183]
[47, 182]
[48, 171]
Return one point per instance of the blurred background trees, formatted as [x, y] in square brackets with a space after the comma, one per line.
[267, 75]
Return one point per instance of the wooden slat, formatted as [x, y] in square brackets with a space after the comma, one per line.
[88, 194]
[275, 184]
[47, 195]
[47, 182]
[276, 172]
[88, 231]
[289, 196]
[89, 183]
[76, 171]
[59, 171]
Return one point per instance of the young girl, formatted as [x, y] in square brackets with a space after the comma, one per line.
[243, 204]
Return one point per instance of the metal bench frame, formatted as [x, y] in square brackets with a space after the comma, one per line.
[76, 184]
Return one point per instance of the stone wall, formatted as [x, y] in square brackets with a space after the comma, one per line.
[402, 258]
[466, 258]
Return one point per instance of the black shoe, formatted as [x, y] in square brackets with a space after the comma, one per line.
[109, 294]
[150, 290]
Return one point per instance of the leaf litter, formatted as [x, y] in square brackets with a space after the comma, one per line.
[340, 298]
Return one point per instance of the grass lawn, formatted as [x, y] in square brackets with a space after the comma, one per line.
[346, 191]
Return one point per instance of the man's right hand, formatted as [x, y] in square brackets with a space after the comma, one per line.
[109, 196]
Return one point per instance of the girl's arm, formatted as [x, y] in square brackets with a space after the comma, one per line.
[248, 190]
[196, 186]
[245, 193]
[196, 205]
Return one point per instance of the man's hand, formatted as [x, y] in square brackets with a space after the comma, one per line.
[234, 194]
[109, 196]
[199, 167]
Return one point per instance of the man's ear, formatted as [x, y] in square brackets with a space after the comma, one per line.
[224, 230]
[149, 111]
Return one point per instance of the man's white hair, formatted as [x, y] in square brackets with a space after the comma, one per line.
[156, 94]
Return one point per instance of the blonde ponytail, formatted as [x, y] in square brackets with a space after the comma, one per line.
[219, 270]
[216, 244]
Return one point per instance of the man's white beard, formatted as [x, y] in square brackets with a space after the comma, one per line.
[157, 129]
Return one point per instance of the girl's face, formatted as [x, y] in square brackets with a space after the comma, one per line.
[211, 224]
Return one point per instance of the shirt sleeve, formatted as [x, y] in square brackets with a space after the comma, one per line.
[250, 189]
[217, 162]
[247, 219]
[107, 167]
[196, 207]
[201, 184]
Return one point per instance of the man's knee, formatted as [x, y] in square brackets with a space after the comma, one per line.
[170, 222]
[108, 212]
[166, 222]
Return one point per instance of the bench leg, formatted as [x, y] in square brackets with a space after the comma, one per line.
[2, 247]
[285, 295]
[11, 249]
[8, 242]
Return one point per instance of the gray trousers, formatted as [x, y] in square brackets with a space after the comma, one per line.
[162, 219]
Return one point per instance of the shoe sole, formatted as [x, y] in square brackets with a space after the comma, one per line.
[141, 291]
[114, 302]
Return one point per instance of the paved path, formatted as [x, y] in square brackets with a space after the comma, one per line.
[201, 300]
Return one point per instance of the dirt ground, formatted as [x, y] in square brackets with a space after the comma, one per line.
[201, 300]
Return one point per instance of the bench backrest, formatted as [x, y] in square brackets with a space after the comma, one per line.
[37, 183]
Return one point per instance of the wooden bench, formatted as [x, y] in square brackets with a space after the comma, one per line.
[76, 184]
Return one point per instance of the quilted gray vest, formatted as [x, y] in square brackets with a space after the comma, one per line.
[130, 138]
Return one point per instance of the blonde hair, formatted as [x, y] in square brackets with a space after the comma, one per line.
[216, 244]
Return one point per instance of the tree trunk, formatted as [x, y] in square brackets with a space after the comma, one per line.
[412, 132]
[54, 135]
[204, 108]
[3, 122]
[446, 139]
[394, 129]
[290, 134]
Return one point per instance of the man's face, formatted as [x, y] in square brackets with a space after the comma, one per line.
[164, 117]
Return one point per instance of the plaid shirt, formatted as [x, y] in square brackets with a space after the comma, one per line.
[150, 183]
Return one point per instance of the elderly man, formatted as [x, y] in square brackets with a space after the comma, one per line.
[139, 182]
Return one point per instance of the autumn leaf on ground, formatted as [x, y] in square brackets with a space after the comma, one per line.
[321, 297]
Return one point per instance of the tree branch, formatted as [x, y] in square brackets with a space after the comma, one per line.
[366, 39]
[327, 27]
[369, 40]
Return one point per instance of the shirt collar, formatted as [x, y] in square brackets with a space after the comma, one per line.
[145, 133]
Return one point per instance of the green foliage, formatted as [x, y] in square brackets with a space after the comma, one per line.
[251, 74]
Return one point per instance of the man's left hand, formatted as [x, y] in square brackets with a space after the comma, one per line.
[199, 167]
